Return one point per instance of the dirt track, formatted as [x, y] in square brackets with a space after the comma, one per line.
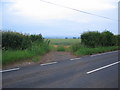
[56, 56]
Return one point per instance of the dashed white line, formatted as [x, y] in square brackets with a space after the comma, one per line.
[48, 63]
[102, 67]
[14, 69]
[75, 59]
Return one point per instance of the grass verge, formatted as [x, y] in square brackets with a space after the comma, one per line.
[33, 53]
[89, 51]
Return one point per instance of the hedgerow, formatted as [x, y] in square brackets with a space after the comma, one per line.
[15, 40]
[95, 39]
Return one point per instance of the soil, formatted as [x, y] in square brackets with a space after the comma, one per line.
[57, 56]
[49, 57]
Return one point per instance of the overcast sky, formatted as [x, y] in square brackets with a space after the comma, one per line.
[34, 17]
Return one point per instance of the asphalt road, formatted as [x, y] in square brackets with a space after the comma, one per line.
[96, 71]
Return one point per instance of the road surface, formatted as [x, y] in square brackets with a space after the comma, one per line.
[95, 71]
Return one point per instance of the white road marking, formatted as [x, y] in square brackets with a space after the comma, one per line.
[75, 59]
[95, 55]
[14, 69]
[102, 67]
[103, 53]
[48, 63]
[109, 52]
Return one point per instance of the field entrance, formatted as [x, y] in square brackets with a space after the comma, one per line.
[57, 56]
[60, 50]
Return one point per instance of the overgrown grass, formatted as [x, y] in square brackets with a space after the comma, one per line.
[62, 43]
[10, 56]
[36, 58]
[60, 48]
[89, 51]
[52, 48]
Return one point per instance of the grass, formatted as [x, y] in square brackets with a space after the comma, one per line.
[36, 58]
[10, 56]
[61, 43]
[37, 50]
[60, 48]
[64, 41]
[89, 51]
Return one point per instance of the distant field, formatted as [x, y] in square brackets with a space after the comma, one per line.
[64, 41]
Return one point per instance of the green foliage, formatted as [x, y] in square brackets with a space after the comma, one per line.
[12, 40]
[18, 46]
[107, 38]
[91, 39]
[117, 40]
[95, 39]
[96, 42]
[15, 40]
[75, 47]
[90, 51]
[60, 48]
[36, 58]
[37, 48]
[34, 38]
[64, 41]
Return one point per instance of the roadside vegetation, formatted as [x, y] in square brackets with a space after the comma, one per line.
[17, 46]
[89, 51]
[96, 42]
[63, 44]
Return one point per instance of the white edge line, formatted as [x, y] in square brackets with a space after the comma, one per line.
[14, 69]
[102, 67]
[95, 55]
[103, 53]
[75, 59]
[48, 63]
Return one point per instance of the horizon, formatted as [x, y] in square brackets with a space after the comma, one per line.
[35, 17]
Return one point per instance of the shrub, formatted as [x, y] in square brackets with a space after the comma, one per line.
[107, 38]
[91, 39]
[15, 40]
[95, 39]
[34, 38]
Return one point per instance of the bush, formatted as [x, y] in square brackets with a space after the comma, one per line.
[107, 38]
[19, 46]
[118, 40]
[95, 39]
[91, 39]
[15, 40]
[34, 38]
